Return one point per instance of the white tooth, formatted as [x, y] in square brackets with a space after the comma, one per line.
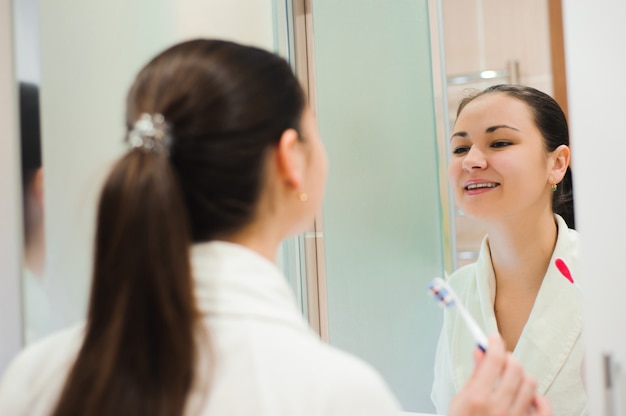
[481, 185]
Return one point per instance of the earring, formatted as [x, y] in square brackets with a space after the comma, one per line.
[554, 187]
[303, 197]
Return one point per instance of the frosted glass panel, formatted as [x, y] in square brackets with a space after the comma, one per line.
[381, 215]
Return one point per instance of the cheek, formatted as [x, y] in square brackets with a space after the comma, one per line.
[455, 171]
[522, 165]
[512, 163]
[454, 167]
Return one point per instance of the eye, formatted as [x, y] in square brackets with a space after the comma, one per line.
[459, 150]
[500, 144]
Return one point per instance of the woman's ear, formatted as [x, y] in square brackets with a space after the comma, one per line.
[560, 162]
[290, 159]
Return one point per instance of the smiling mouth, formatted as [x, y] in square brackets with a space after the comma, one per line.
[474, 186]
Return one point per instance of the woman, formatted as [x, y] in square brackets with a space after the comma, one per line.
[188, 313]
[509, 169]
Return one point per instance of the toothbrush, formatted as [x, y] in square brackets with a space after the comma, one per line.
[560, 264]
[444, 294]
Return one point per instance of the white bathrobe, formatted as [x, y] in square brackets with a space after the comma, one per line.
[550, 346]
[267, 360]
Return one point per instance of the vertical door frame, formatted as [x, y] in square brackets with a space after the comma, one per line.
[557, 48]
[315, 269]
[440, 95]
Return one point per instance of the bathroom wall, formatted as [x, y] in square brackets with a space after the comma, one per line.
[89, 54]
[84, 55]
[596, 58]
[10, 207]
[484, 34]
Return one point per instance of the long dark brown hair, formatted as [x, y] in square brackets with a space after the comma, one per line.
[225, 105]
[552, 123]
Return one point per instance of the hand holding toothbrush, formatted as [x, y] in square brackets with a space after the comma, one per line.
[499, 386]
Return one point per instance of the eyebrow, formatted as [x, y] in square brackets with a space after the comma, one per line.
[459, 133]
[499, 126]
[487, 130]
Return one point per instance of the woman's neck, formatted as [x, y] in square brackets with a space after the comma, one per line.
[521, 249]
[257, 238]
[520, 255]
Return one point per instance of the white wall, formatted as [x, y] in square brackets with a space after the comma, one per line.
[85, 55]
[26, 40]
[596, 63]
[245, 21]
[89, 55]
[10, 217]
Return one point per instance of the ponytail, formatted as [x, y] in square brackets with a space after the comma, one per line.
[138, 355]
[224, 105]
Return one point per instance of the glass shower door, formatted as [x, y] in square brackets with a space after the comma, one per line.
[382, 221]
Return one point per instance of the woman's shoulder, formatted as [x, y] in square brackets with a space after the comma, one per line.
[334, 380]
[38, 370]
[59, 342]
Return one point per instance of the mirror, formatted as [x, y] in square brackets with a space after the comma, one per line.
[82, 66]
[84, 57]
[39, 319]
[388, 227]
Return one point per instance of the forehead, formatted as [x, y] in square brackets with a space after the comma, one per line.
[494, 109]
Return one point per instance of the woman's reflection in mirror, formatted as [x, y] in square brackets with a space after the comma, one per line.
[37, 312]
[509, 170]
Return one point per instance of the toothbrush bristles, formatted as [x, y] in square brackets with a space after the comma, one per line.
[441, 293]
[446, 297]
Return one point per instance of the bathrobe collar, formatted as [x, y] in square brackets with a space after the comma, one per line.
[555, 322]
[234, 281]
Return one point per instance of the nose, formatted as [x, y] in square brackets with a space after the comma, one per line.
[474, 159]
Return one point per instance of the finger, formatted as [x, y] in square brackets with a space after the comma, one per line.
[485, 376]
[542, 406]
[507, 389]
[479, 355]
[524, 401]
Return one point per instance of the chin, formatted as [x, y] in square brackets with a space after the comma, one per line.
[479, 213]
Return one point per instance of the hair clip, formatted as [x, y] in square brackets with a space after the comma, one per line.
[150, 132]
